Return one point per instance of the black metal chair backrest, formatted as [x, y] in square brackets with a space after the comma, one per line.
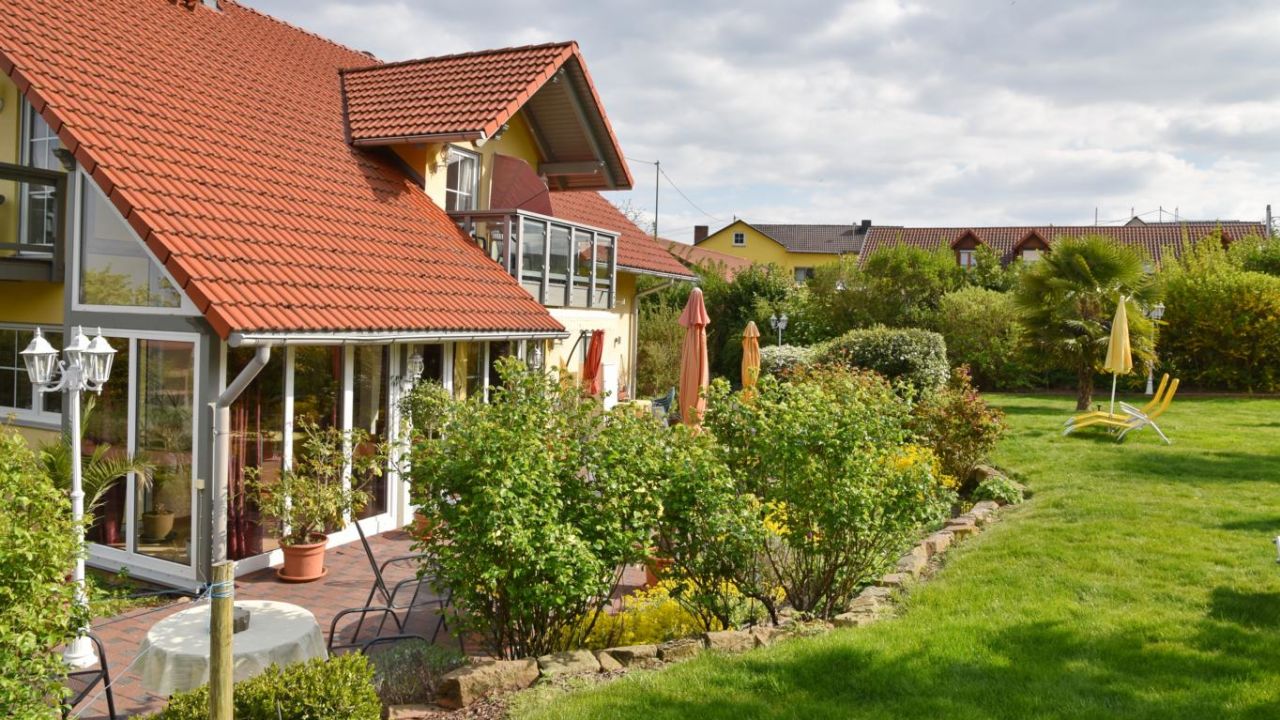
[378, 580]
[334, 647]
[92, 676]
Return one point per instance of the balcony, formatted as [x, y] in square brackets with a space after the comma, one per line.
[560, 263]
[33, 211]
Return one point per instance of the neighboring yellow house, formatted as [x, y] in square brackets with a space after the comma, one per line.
[798, 248]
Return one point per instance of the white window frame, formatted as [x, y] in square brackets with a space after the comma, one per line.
[185, 306]
[472, 195]
[967, 258]
[739, 239]
[36, 415]
[1035, 255]
[26, 112]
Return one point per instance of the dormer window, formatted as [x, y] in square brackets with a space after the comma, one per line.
[1030, 255]
[462, 184]
[739, 239]
[967, 258]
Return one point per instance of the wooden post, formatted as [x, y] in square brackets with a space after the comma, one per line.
[221, 665]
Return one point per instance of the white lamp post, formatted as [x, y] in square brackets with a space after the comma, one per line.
[85, 366]
[1155, 313]
[778, 323]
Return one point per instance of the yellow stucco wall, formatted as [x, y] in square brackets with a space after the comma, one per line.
[619, 335]
[761, 248]
[430, 159]
[31, 302]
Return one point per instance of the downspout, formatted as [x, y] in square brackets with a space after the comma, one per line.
[222, 448]
[635, 332]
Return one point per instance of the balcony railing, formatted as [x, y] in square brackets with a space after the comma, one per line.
[562, 264]
[33, 212]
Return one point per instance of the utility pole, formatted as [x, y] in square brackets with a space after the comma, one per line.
[657, 173]
[1269, 233]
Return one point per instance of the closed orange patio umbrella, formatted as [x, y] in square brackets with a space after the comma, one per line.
[695, 371]
[750, 355]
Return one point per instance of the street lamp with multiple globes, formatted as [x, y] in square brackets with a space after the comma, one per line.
[778, 323]
[85, 366]
[1155, 312]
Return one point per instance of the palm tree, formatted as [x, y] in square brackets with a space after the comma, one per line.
[1069, 298]
[98, 473]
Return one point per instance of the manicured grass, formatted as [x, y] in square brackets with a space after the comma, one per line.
[1140, 581]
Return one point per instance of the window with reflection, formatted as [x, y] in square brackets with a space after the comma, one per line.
[558, 269]
[604, 272]
[17, 395]
[115, 269]
[370, 407]
[498, 350]
[468, 369]
[105, 434]
[165, 389]
[533, 256]
[257, 441]
[39, 211]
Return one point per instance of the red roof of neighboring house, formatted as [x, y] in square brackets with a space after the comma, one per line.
[1152, 239]
[637, 251]
[219, 135]
[702, 257]
[473, 94]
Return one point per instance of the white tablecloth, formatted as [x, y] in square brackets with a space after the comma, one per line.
[177, 648]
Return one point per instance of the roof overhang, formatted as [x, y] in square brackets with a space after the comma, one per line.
[252, 339]
[658, 274]
[967, 235]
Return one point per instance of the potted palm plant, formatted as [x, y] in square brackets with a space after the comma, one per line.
[312, 497]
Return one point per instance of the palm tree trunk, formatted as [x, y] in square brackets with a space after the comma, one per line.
[1084, 388]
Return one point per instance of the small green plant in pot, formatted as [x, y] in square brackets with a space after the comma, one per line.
[313, 495]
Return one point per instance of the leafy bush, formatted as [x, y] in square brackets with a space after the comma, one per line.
[534, 500]
[731, 304]
[710, 531]
[340, 687]
[782, 359]
[999, 489]
[983, 329]
[901, 285]
[1258, 254]
[648, 616]
[37, 609]
[959, 425]
[409, 671]
[1221, 325]
[915, 357]
[658, 350]
[827, 453]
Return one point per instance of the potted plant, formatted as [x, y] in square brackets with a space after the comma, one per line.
[312, 496]
[157, 522]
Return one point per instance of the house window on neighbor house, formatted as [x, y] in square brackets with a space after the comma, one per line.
[1030, 256]
[462, 181]
[967, 258]
[739, 239]
[18, 397]
[804, 274]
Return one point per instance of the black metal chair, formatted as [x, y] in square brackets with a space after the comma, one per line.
[355, 642]
[91, 677]
[389, 593]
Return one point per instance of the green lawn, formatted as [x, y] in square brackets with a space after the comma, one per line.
[1140, 581]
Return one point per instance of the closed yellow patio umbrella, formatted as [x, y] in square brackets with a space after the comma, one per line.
[1119, 353]
[750, 355]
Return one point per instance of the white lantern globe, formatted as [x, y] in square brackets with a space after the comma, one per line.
[97, 360]
[40, 358]
[74, 349]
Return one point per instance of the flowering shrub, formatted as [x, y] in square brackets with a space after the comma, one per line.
[842, 491]
[37, 610]
[915, 357]
[648, 616]
[533, 502]
[781, 359]
[959, 425]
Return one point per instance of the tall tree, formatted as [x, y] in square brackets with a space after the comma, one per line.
[1069, 298]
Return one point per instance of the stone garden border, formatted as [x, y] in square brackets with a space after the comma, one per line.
[465, 686]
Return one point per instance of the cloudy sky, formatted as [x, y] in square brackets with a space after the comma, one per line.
[949, 112]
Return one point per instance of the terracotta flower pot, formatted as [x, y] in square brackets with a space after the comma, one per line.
[304, 563]
[156, 525]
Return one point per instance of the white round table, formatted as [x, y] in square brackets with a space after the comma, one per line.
[177, 648]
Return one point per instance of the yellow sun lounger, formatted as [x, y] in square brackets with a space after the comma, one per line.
[1149, 407]
[1133, 419]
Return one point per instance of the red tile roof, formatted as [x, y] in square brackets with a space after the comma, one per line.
[1152, 239]
[472, 95]
[219, 135]
[731, 265]
[637, 251]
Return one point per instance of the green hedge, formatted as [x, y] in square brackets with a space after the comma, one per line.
[1222, 329]
[983, 329]
[916, 357]
[341, 687]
